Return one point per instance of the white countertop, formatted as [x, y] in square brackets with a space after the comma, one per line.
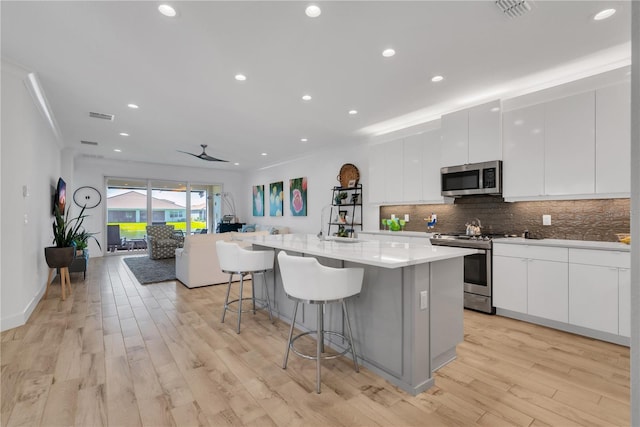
[576, 244]
[368, 252]
[399, 233]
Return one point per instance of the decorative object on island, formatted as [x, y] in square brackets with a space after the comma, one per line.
[258, 200]
[343, 214]
[275, 198]
[349, 176]
[298, 196]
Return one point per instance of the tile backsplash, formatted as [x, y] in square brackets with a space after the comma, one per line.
[593, 219]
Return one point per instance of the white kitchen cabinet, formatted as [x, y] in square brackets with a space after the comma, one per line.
[385, 172]
[454, 129]
[624, 302]
[510, 283]
[523, 155]
[531, 280]
[377, 173]
[547, 290]
[412, 168]
[485, 132]
[431, 187]
[472, 135]
[570, 145]
[598, 286]
[593, 297]
[613, 138]
[393, 171]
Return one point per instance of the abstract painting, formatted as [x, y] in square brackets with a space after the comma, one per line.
[275, 198]
[258, 200]
[298, 196]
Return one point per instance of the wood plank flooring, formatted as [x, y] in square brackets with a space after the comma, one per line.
[122, 354]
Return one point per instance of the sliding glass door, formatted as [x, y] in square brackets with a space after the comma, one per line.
[126, 212]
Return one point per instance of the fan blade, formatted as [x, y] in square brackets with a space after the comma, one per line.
[191, 154]
[205, 156]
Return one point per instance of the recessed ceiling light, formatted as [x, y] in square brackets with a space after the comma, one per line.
[134, 106]
[353, 112]
[236, 164]
[117, 150]
[495, 109]
[167, 10]
[604, 14]
[124, 134]
[304, 140]
[240, 77]
[388, 53]
[306, 97]
[436, 79]
[312, 11]
[263, 154]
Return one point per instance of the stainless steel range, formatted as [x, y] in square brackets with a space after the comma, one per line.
[478, 285]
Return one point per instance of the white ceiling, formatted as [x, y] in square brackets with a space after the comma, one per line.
[100, 56]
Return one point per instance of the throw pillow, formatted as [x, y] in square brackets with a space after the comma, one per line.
[248, 228]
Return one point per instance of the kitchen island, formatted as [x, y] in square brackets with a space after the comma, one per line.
[408, 318]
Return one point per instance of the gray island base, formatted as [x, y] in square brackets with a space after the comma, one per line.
[408, 318]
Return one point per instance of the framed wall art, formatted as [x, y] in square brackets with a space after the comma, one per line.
[298, 196]
[275, 198]
[258, 200]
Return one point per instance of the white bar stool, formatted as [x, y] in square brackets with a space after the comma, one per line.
[305, 280]
[236, 260]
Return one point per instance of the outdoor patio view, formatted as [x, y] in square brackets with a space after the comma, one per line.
[127, 213]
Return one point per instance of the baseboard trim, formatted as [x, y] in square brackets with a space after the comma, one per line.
[19, 319]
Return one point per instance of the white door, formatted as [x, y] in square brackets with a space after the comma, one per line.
[548, 290]
[593, 297]
[455, 139]
[485, 132]
[412, 170]
[624, 302]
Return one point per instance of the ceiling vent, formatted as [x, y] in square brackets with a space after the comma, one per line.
[88, 142]
[102, 116]
[514, 8]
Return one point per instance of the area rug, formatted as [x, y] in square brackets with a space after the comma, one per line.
[152, 270]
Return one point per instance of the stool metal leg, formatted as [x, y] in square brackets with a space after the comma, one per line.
[226, 300]
[240, 304]
[253, 291]
[319, 348]
[321, 334]
[353, 348]
[266, 292]
[293, 322]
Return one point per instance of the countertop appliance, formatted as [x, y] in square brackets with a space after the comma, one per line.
[478, 268]
[472, 179]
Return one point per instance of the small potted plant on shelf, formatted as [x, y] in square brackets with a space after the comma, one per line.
[340, 197]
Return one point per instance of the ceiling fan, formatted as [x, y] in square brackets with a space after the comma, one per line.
[203, 155]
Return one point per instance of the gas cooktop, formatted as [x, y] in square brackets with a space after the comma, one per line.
[464, 241]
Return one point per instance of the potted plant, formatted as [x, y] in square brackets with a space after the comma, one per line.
[81, 240]
[66, 231]
[340, 197]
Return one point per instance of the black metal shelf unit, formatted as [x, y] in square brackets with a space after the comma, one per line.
[346, 211]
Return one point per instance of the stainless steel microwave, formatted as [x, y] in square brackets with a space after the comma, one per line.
[473, 178]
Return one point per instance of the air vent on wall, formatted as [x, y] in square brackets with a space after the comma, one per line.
[88, 142]
[514, 8]
[101, 116]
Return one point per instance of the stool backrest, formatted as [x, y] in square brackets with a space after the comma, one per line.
[306, 279]
[236, 259]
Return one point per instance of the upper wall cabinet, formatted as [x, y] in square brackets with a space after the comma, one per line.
[385, 172]
[574, 147]
[472, 135]
[613, 138]
[406, 170]
[570, 145]
[431, 148]
[523, 162]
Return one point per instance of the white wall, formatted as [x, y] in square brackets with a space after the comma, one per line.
[93, 171]
[321, 170]
[30, 156]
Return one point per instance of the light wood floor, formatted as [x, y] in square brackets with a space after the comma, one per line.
[118, 353]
